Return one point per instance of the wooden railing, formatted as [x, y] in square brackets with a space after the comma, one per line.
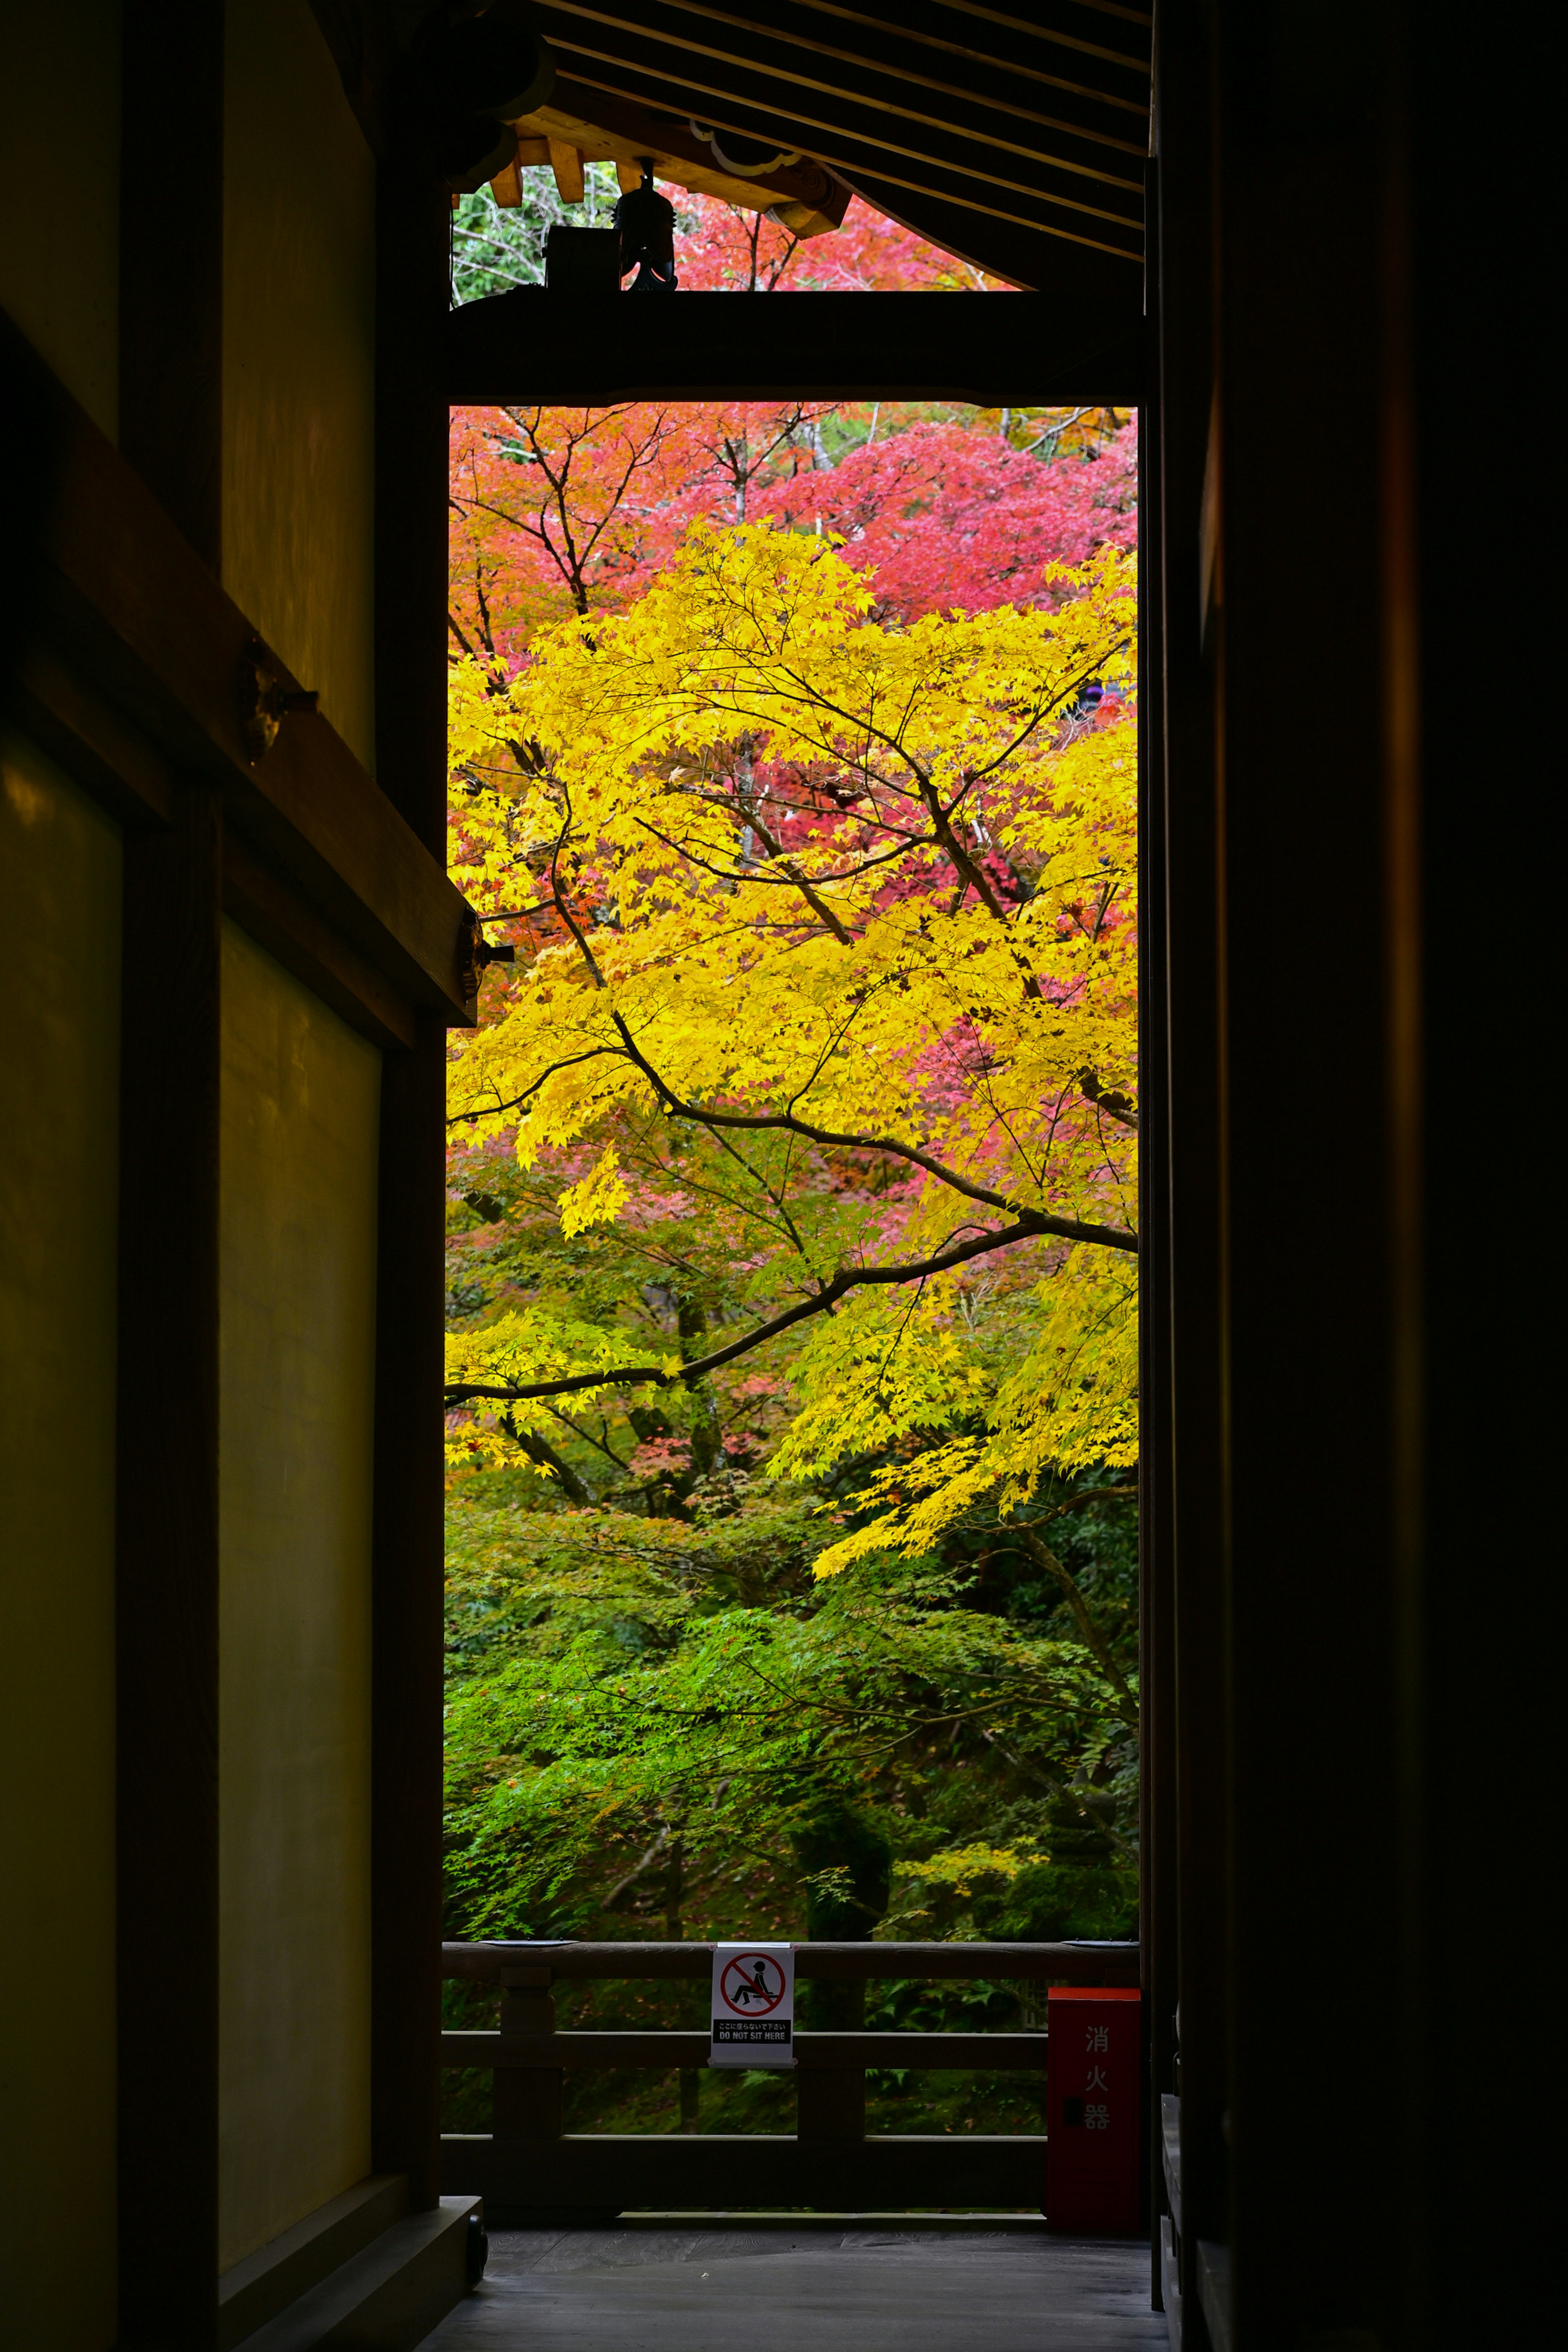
[528, 2162]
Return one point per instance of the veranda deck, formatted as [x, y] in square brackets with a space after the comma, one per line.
[807, 2285]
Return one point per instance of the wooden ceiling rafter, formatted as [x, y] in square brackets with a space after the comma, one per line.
[974, 139]
[1057, 22]
[993, 89]
[762, 114]
[1014, 140]
[855, 160]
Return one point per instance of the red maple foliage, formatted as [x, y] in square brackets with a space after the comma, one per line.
[721, 249]
[556, 510]
[945, 515]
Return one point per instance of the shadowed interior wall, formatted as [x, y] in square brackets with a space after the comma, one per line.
[298, 358]
[59, 1052]
[59, 192]
[298, 1226]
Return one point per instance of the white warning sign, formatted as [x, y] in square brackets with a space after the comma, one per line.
[754, 2005]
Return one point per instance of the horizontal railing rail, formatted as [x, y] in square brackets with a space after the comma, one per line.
[528, 2162]
[1070, 1963]
[676, 2049]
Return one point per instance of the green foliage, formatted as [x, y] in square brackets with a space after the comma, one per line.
[668, 1726]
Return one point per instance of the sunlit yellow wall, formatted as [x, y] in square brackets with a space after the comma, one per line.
[59, 190]
[59, 1052]
[297, 357]
[298, 1225]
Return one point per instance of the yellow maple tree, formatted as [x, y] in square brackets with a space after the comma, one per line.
[831, 927]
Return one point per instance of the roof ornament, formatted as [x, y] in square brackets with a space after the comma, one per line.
[645, 223]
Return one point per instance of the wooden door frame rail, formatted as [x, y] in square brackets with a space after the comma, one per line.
[125, 663]
[1009, 351]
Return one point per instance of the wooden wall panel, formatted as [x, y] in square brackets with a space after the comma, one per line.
[59, 217]
[297, 1310]
[59, 1051]
[299, 360]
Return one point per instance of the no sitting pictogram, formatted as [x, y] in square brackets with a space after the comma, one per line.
[752, 1984]
[754, 2005]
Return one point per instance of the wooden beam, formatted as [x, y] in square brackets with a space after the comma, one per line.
[127, 619]
[263, 904]
[507, 185]
[805, 195]
[111, 759]
[625, 2170]
[566, 163]
[1107, 1964]
[530, 346]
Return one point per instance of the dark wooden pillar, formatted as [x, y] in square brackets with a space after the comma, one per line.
[1189, 877]
[1309, 1075]
[171, 258]
[1478, 1307]
[405, 1720]
[411, 766]
[167, 1598]
[170, 425]
[413, 240]
[1158, 1890]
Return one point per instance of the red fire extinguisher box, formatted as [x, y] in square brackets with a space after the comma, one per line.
[1094, 2119]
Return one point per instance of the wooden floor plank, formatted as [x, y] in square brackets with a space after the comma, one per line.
[807, 2288]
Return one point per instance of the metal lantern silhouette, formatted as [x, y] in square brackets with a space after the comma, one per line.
[645, 223]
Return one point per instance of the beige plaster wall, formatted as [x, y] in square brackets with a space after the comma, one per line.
[301, 1094]
[60, 191]
[60, 1054]
[298, 357]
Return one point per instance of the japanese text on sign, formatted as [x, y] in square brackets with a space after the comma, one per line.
[754, 2005]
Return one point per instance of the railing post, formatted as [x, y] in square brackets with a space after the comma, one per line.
[830, 2103]
[527, 2099]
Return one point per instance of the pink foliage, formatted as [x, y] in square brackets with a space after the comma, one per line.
[948, 516]
[718, 247]
[661, 1456]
